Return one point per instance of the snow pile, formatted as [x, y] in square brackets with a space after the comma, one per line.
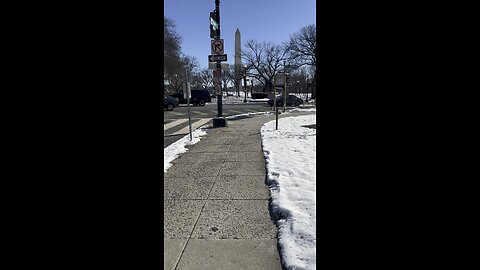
[246, 115]
[172, 151]
[290, 153]
[302, 110]
[239, 100]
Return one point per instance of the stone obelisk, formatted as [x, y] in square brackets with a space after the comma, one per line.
[238, 61]
[238, 50]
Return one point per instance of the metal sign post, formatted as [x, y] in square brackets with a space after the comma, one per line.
[218, 57]
[188, 91]
[219, 63]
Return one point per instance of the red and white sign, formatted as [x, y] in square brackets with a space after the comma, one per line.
[217, 76]
[218, 89]
[217, 73]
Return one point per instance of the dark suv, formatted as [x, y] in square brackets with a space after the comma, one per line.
[199, 97]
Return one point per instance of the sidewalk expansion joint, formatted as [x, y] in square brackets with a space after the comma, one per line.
[239, 199]
[198, 218]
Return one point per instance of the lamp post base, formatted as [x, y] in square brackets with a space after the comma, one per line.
[219, 122]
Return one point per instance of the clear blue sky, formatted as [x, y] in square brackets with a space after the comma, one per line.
[261, 20]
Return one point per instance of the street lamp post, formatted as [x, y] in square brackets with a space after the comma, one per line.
[306, 86]
[284, 86]
[245, 83]
[175, 86]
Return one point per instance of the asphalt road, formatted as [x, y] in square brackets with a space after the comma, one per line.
[176, 122]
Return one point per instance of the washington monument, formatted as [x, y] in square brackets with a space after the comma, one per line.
[238, 61]
[238, 50]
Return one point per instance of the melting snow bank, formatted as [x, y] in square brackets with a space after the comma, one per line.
[302, 110]
[249, 115]
[172, 151]
[290, 153]
[246, 115]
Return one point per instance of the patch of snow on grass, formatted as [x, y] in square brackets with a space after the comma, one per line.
[290, 154]
[172, 151]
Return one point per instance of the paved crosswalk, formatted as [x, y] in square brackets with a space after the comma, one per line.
[194, 113]
[183, 125]
[174, 123]
[213, 112]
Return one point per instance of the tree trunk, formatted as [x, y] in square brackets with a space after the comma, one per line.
[266, 86]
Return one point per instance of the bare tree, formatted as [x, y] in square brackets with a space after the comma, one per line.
[302, 49]
[235, 74]
[191, 63]
[225, 80]
[172, 64]
[265, 60]
[299, 81]
[302, 46]
[174, 61]
[196, 81]
[205, 79]
[177, 76]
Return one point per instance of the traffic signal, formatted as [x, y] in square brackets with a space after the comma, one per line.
[214, 26]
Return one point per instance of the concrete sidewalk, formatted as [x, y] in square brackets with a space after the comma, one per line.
[216, 202]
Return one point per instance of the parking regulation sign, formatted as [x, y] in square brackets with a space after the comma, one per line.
[217, 73]
[217, 76]
[218, 89]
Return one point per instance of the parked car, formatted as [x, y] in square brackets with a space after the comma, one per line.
[292, 100]
[259, 95]
[199, 97]
[169, 103]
